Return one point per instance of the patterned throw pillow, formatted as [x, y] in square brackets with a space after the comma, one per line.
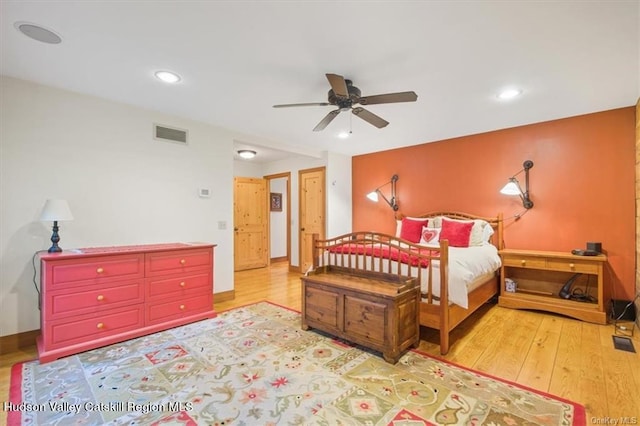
[430, 236]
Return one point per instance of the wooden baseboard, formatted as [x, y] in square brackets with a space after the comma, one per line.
[15, 342]
[224, 296]
[279, 259]
[294, 268]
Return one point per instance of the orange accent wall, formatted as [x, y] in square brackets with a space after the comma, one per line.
[582, 185]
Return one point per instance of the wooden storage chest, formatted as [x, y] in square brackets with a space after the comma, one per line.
[376, 310]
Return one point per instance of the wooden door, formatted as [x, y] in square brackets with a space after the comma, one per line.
[250, 223]
[312, 212]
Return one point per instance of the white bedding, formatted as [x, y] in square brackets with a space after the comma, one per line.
[466, 265]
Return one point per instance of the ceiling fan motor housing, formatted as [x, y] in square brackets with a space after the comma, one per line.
[342, 102]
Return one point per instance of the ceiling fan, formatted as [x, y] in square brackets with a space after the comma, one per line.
[345, 95]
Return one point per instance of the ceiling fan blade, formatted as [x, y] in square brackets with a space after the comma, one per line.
[305, 104]
[326, 120]
[370, 117]
[338, 85]
[389, 98]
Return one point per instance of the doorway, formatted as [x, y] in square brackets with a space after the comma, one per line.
[279, 186]
[312, 200]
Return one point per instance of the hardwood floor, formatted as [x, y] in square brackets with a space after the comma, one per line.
[561, 356]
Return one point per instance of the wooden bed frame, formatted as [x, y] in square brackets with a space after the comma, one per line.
[435, 312]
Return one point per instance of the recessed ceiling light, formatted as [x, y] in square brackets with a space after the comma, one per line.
[38, 32]
[344, 135]
[167, 76]
[509, 94]
[246, 153]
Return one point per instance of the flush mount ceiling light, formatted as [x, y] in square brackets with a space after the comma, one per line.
[167, 76]
[344, 135]
[38, 33]
[246, 153]
[509, 94]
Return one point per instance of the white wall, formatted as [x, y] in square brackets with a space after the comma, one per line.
[278, 221]
[339, 195]
[123, 186]
[246, 168]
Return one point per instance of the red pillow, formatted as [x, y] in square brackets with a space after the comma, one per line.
[412, 229]
[458, 233]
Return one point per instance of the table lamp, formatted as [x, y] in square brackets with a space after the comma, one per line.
[55, 210]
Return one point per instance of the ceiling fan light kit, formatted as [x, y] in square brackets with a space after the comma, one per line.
[344, 95]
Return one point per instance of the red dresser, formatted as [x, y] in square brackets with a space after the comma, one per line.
[98, 296]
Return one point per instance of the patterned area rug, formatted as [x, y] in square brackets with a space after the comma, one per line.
[255, 366]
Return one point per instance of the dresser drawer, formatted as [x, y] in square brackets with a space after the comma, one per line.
[94, 298]
[525, 262]
[177, 308]
[179, 286]
[178, 261]
[79, 330]
[70, 273]
[572, 266]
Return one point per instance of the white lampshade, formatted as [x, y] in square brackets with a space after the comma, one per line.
[56, 210]
[373, 196]
[511, 188]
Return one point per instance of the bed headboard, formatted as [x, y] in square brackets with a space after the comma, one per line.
[497, 239]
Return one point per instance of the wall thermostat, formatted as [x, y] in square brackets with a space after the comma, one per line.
[204, 192]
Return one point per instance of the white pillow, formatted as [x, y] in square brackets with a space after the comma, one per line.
[487, 232]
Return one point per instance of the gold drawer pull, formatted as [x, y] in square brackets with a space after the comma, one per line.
[100, 325]
[182, 261]
[182, 284]
[100, 297]
[99, 270]
[523, 262]
[182, 307]
[571, 265]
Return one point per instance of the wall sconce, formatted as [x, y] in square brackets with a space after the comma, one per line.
[513, 187]
[55, 210]
[373, 195]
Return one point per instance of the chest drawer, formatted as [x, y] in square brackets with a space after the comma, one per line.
[179, 286]
[70, 273]
[95, 298]
[178, 261]
[69, 332]
[177, 308]
[322, 306]
[365, 318]
[572, 266]
[525, 262]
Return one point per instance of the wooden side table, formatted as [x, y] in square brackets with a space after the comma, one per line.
[540, 275]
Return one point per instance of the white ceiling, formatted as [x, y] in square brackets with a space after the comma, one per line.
[237, 59]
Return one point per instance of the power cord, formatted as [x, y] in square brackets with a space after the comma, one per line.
[35, 284]
[624, 311]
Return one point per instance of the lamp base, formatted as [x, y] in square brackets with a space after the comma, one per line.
[54, 239]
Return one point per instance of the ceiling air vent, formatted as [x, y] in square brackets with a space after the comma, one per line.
[164, 133]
